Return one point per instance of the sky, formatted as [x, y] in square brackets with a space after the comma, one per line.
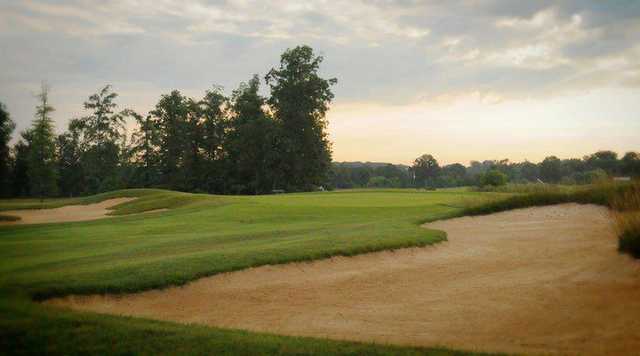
[460, 79]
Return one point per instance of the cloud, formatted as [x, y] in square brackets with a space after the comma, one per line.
[392, 52]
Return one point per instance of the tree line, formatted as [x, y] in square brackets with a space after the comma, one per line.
[244, 143]
[427, 172]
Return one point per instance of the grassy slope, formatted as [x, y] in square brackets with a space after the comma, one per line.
[202, 235]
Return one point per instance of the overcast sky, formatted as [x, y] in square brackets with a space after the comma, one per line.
[461, 79]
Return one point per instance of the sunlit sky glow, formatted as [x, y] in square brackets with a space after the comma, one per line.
[461, 79]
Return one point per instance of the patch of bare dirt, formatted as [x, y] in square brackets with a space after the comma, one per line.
[538, 280]
[65, 213]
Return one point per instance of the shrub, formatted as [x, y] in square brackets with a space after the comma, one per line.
[493, 178]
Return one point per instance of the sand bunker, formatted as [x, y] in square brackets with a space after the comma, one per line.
[539, 280]
[65, 213]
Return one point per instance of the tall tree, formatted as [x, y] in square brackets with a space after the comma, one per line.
[103, 135]
[19, 172]
[71, 177]
[605, 160]
[41, 140]
[171, 115]
[6, 129]
[551, 169]
[300, 99]
[425, 169]
[145, 150]
[251, 141]
[631, 164]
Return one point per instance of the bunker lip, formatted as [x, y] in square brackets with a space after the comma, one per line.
[65, 213]
[536, 280]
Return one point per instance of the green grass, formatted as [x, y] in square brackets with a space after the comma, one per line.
[200, 236]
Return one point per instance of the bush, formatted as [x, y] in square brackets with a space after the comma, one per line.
[493, 178]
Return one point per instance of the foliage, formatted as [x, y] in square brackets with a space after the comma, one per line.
[424, 169]
[626, 216]
[493, 178]
[6, 129]
[41, 160]
[299, 101]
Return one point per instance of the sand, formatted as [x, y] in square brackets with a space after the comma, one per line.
[537, 280]
[65, 213]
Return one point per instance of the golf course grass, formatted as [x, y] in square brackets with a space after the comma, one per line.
[200, 235]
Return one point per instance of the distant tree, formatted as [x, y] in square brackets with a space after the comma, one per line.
[551, 169]
[214, 135]
[595, 176]
[453, 175]
[252, 140]
[103, 135]
[379, 182]
[605, 160]
[493, 178]
[145, 150]
[631, 164]
[170, 114]
[19, 172]
[529, 171]
[6, 129]
[41, 140]
[425, 168]
[70, 171]
[300, 99]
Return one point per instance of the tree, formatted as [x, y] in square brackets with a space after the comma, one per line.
[41, 140]
[494, 178]
[631, 164]
[453, 175]
[551, 169]
[251, 140]
[425, 168]
[103, 135]
[170, 116]
[300, 99]
[20, 175]
[70, 173]
[6, 129]
[214, 136]
[605, 160]
[145, 150]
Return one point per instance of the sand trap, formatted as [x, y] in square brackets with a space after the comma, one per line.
[539, 280]
[65, 213]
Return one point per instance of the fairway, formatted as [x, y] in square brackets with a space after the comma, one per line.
[202, 235]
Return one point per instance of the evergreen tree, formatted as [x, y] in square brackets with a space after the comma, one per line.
[41, 140]
[300, 99]
[6, 129]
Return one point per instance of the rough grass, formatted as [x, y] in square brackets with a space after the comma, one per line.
[626, 214]
[201, 235]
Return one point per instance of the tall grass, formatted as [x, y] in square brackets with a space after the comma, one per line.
[626, 215]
